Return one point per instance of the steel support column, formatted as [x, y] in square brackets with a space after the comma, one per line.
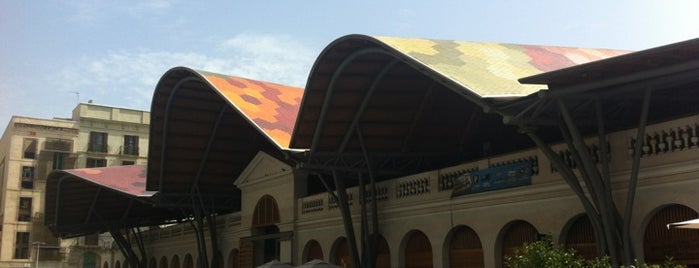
[372, 244]
[591, 175]
[633, 180]
[347, 218]
[125, 248]
[569, 177]
[198, 206]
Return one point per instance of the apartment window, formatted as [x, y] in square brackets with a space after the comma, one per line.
[22, 245]
[98, 142]
[29, 148]
[60, 161]
[54, 144]
[25, 209]
[27, 177]
[92, 240]
[96, 162]
[128, 163]
[130, 145]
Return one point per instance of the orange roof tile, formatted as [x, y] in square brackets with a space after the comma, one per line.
[271, 107]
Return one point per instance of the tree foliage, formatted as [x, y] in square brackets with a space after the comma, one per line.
[545, 254]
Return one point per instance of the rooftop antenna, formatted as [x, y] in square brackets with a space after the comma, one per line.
[77, 96]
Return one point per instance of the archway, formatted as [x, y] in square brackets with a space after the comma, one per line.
[105, 265]
[265, 231]
[117, 264]
[383, 253]
[516, 234]
[580, 236]
[163, 262]
[465, 249]
[680, 244]
[188, 261]
[175, 262]
[312, 251]
[340, 253]
[418, 251]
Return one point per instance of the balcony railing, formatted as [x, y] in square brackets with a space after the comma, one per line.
[679, 143]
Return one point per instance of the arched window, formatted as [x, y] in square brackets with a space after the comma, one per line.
[680, 244]
[117, 264]
[163, 262]
[175, 262]
[340, 252]
[581, 237]
[312, 251]
[152, 263]
[418, 251]
[188, 261]
[383, 253]
[266, 212]
[465, 248]
[515, 235]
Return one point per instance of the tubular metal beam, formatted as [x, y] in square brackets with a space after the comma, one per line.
[166, 125]
[633, 180]
[425, 100]
[125, 248]
[604, 208]
[209, 144]
[570, 178]
[365, 102]
[91, 210]
[331, 89]
[347, 218]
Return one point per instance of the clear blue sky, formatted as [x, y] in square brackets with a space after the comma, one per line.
[114, 52]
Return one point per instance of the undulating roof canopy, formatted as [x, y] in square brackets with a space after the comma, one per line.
[86, 201]
[409, 104]
[418, 98]
[205, 129]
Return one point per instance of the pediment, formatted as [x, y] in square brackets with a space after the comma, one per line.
[262, 168]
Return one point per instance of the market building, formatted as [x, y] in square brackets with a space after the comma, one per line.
[453, 153]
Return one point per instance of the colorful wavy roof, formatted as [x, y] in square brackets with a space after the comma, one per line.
[491, 69]
[271, 107]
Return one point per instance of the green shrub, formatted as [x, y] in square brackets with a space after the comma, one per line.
[545, 254]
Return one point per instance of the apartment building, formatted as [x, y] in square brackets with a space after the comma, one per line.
[30, 148]
[95, 136]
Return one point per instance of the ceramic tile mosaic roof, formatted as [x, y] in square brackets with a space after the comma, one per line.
[491, 69]
[126, 179]
[271, 107]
